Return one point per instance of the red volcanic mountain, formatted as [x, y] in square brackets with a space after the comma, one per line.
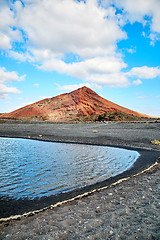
[68, 107]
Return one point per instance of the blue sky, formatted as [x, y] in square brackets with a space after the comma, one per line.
[56, 46]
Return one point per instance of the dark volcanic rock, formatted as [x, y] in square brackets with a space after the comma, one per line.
[114, 116]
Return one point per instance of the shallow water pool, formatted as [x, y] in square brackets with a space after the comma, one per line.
[31, 168]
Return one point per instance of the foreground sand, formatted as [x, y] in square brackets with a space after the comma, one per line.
[128, 210]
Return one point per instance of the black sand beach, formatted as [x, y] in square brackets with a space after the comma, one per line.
[122, 134]
[128, 210]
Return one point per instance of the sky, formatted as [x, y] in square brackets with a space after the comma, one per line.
[56, 46]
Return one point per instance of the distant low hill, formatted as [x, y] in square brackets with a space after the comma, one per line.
[77, 105]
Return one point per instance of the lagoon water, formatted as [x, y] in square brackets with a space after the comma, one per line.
[31, 168]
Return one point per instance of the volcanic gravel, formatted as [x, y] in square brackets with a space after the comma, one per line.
[131, 134]
[128, 210]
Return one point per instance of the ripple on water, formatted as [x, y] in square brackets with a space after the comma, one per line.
[30, 168]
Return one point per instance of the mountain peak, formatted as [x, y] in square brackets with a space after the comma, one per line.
[67, 107]
[83, 89]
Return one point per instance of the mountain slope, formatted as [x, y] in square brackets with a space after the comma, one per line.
[68, 107]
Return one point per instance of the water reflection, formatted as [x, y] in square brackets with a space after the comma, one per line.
[30, 168]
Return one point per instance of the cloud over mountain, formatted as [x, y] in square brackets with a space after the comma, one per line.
[77, 38]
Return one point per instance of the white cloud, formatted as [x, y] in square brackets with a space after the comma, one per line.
[83, 69]
[137, 10]
[56, 28]
[4, 41]
[106, 3]
[8, 33]
[145, 72]
[65, 30]
[73, 87]
[4, 91]
[137, 82]
[112, 79]
[3, 96]
[103, 70]
[20, 56]
[6, 76]
[131, 50]
[88, 31]
[154, 37]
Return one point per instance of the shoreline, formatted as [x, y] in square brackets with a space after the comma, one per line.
[80, 196]
[12, 207]
[127, 210]
[86, 134]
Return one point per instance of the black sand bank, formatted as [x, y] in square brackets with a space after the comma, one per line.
[136, 136]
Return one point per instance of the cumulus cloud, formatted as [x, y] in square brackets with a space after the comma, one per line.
[6, 76]
[137, 10]
[111, 79]
[73, 87]
[55, 29]
[58, 25]
[85, 69]
[5, 90]
[78, 38]
[8, 32]
[137, 82]
[145, 72]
